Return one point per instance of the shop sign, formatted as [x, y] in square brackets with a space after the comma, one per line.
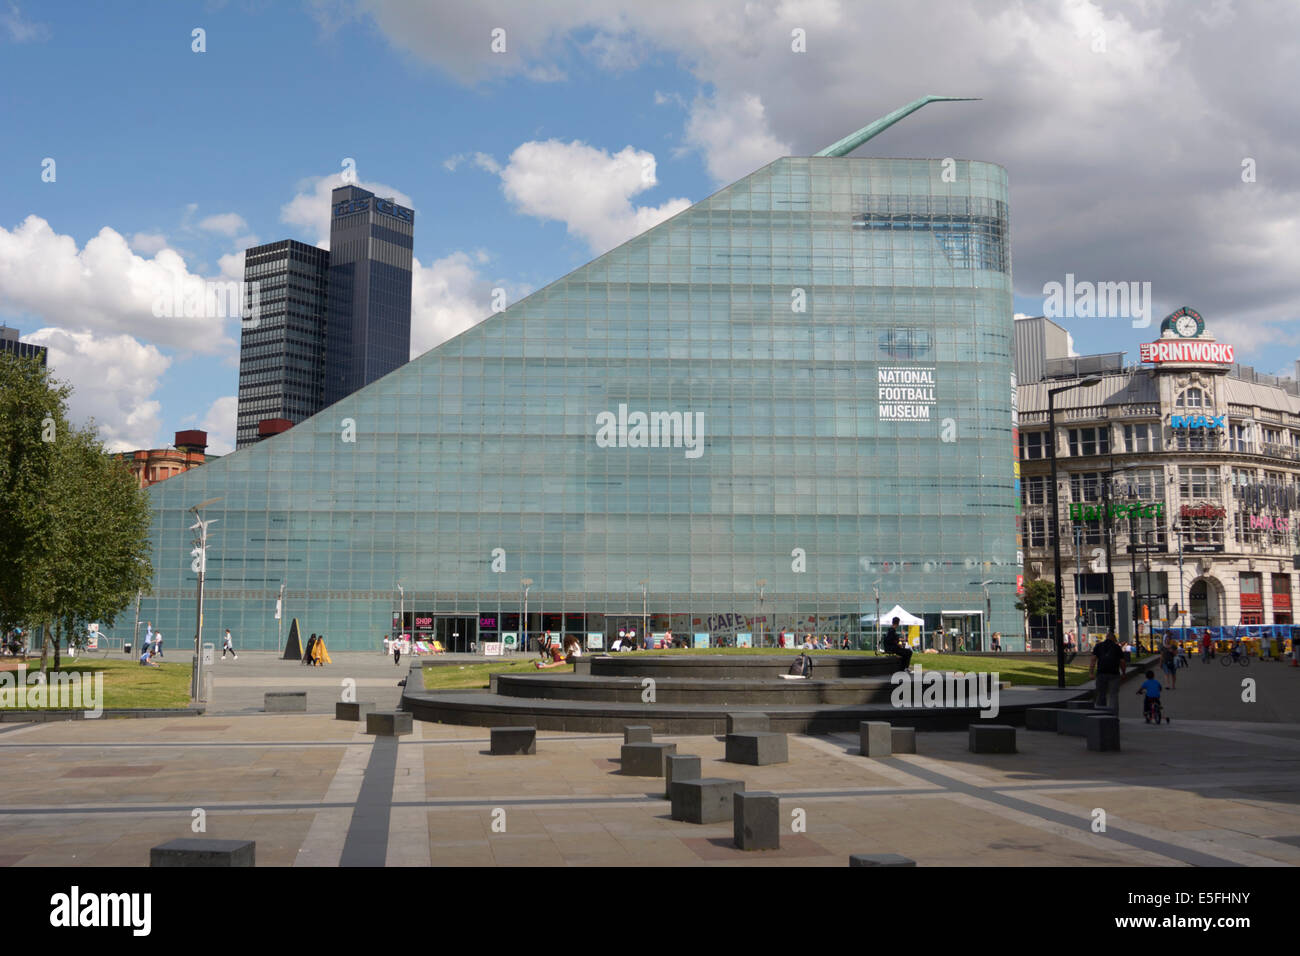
[1198, 421]
[1084, 512]
[1202, 511]
[1269, 523]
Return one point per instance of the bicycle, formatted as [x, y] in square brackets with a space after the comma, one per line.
[1228, 659]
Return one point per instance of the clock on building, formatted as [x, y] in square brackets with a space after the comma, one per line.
[1186, 323]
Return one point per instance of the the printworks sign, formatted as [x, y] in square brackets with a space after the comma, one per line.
[1083, 512]
[905, 393]
[1210, 353]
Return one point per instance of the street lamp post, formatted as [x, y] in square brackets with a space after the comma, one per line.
[988, 612]
[200, 563]
[875, 587]
[762, 583]
[401, 613]
[1059, 628]
[279, 618]
[645, 616]
[523, 643]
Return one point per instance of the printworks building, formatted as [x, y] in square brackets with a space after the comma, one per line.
[1178, 481]
[746, 420]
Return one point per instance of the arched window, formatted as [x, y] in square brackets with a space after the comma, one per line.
[1193, 398]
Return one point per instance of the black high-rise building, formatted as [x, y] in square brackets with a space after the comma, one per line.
[282, 343]
[9, 343]
[368, 332]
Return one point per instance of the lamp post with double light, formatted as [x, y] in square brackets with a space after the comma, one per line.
[199, 565]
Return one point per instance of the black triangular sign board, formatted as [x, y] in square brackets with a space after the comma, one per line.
[293, 647]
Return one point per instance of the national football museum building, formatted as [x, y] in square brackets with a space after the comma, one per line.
[781, 410]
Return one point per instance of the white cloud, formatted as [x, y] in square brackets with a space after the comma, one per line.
[587, 189]
[103, 288]
[148, 243]
[225, 224]
[450, 295]
[219, 423]
[22, 30]
[309, 209]
[112, 379]
[733, 134]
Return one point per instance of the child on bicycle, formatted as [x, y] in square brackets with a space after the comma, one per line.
[1151, 688]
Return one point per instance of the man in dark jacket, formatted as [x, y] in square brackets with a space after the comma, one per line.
[894, 645]
[1108, 664]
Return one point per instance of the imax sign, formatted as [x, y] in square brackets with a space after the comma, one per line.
[1198, 421]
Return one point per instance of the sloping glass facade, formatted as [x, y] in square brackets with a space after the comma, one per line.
[803, 380]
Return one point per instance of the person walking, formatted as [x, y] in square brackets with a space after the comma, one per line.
[157, 644]
[1108, 664]
[1169, 662]
[397, 652]
[1207, 646]
[148, 635]
[227, 644]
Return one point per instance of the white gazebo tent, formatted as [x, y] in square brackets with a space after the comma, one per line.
[905, 619]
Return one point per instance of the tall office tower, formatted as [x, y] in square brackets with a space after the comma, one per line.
[282, 345]
[9, 343]
[369, 327]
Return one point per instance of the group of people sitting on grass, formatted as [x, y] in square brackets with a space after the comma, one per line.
[554, 656]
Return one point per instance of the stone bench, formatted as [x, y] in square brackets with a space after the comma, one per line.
[513, 740]
[189, 851]
[736, 723]
[758, 748]
[902, 740]
[358, 710]
[756, 820]
[879, 859]
[637, 734]
[1073, 723]
[709, 800]
[285, 702]
[875, 738]
[1079, 704]
[645, 759]
[992, 739]
[679, 767]
[1042, 718]
[1102, 733]
[388, 723]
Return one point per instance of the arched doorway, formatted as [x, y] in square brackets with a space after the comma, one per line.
[1204, 603]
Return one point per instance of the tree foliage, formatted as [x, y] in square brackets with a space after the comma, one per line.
[1039, 599]
[74, 523]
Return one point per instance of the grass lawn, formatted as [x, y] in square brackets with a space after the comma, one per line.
[453, 677]
[126, 683]
[1014, 670]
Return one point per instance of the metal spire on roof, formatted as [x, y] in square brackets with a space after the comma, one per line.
[851, 142]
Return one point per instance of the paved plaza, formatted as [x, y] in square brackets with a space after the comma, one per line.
[1219, 785]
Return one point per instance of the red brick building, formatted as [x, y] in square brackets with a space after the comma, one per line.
[153, 465]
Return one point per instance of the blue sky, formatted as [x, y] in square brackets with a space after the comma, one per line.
[1124, 160]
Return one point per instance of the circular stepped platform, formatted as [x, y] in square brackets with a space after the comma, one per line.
[694, 695]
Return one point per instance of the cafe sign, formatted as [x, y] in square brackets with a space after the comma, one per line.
[1083, 512]
[1202, 511]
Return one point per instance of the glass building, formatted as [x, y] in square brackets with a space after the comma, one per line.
[282, 342]
[368, 333]
[739, 422]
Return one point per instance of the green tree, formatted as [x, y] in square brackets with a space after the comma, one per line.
[81, 538]
[1039, 600]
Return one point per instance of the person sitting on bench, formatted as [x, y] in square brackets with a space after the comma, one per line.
[894, 645]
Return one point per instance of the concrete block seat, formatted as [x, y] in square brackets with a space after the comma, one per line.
[1074, 723]
[879, 859]
[506, 741]
[357, 710]
[192, 852]
[992, 739]
[756, 819]
[708, 800]
[392, 723]
[645, 759]
[1102, 732]
[285, 702]
[758, 748]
